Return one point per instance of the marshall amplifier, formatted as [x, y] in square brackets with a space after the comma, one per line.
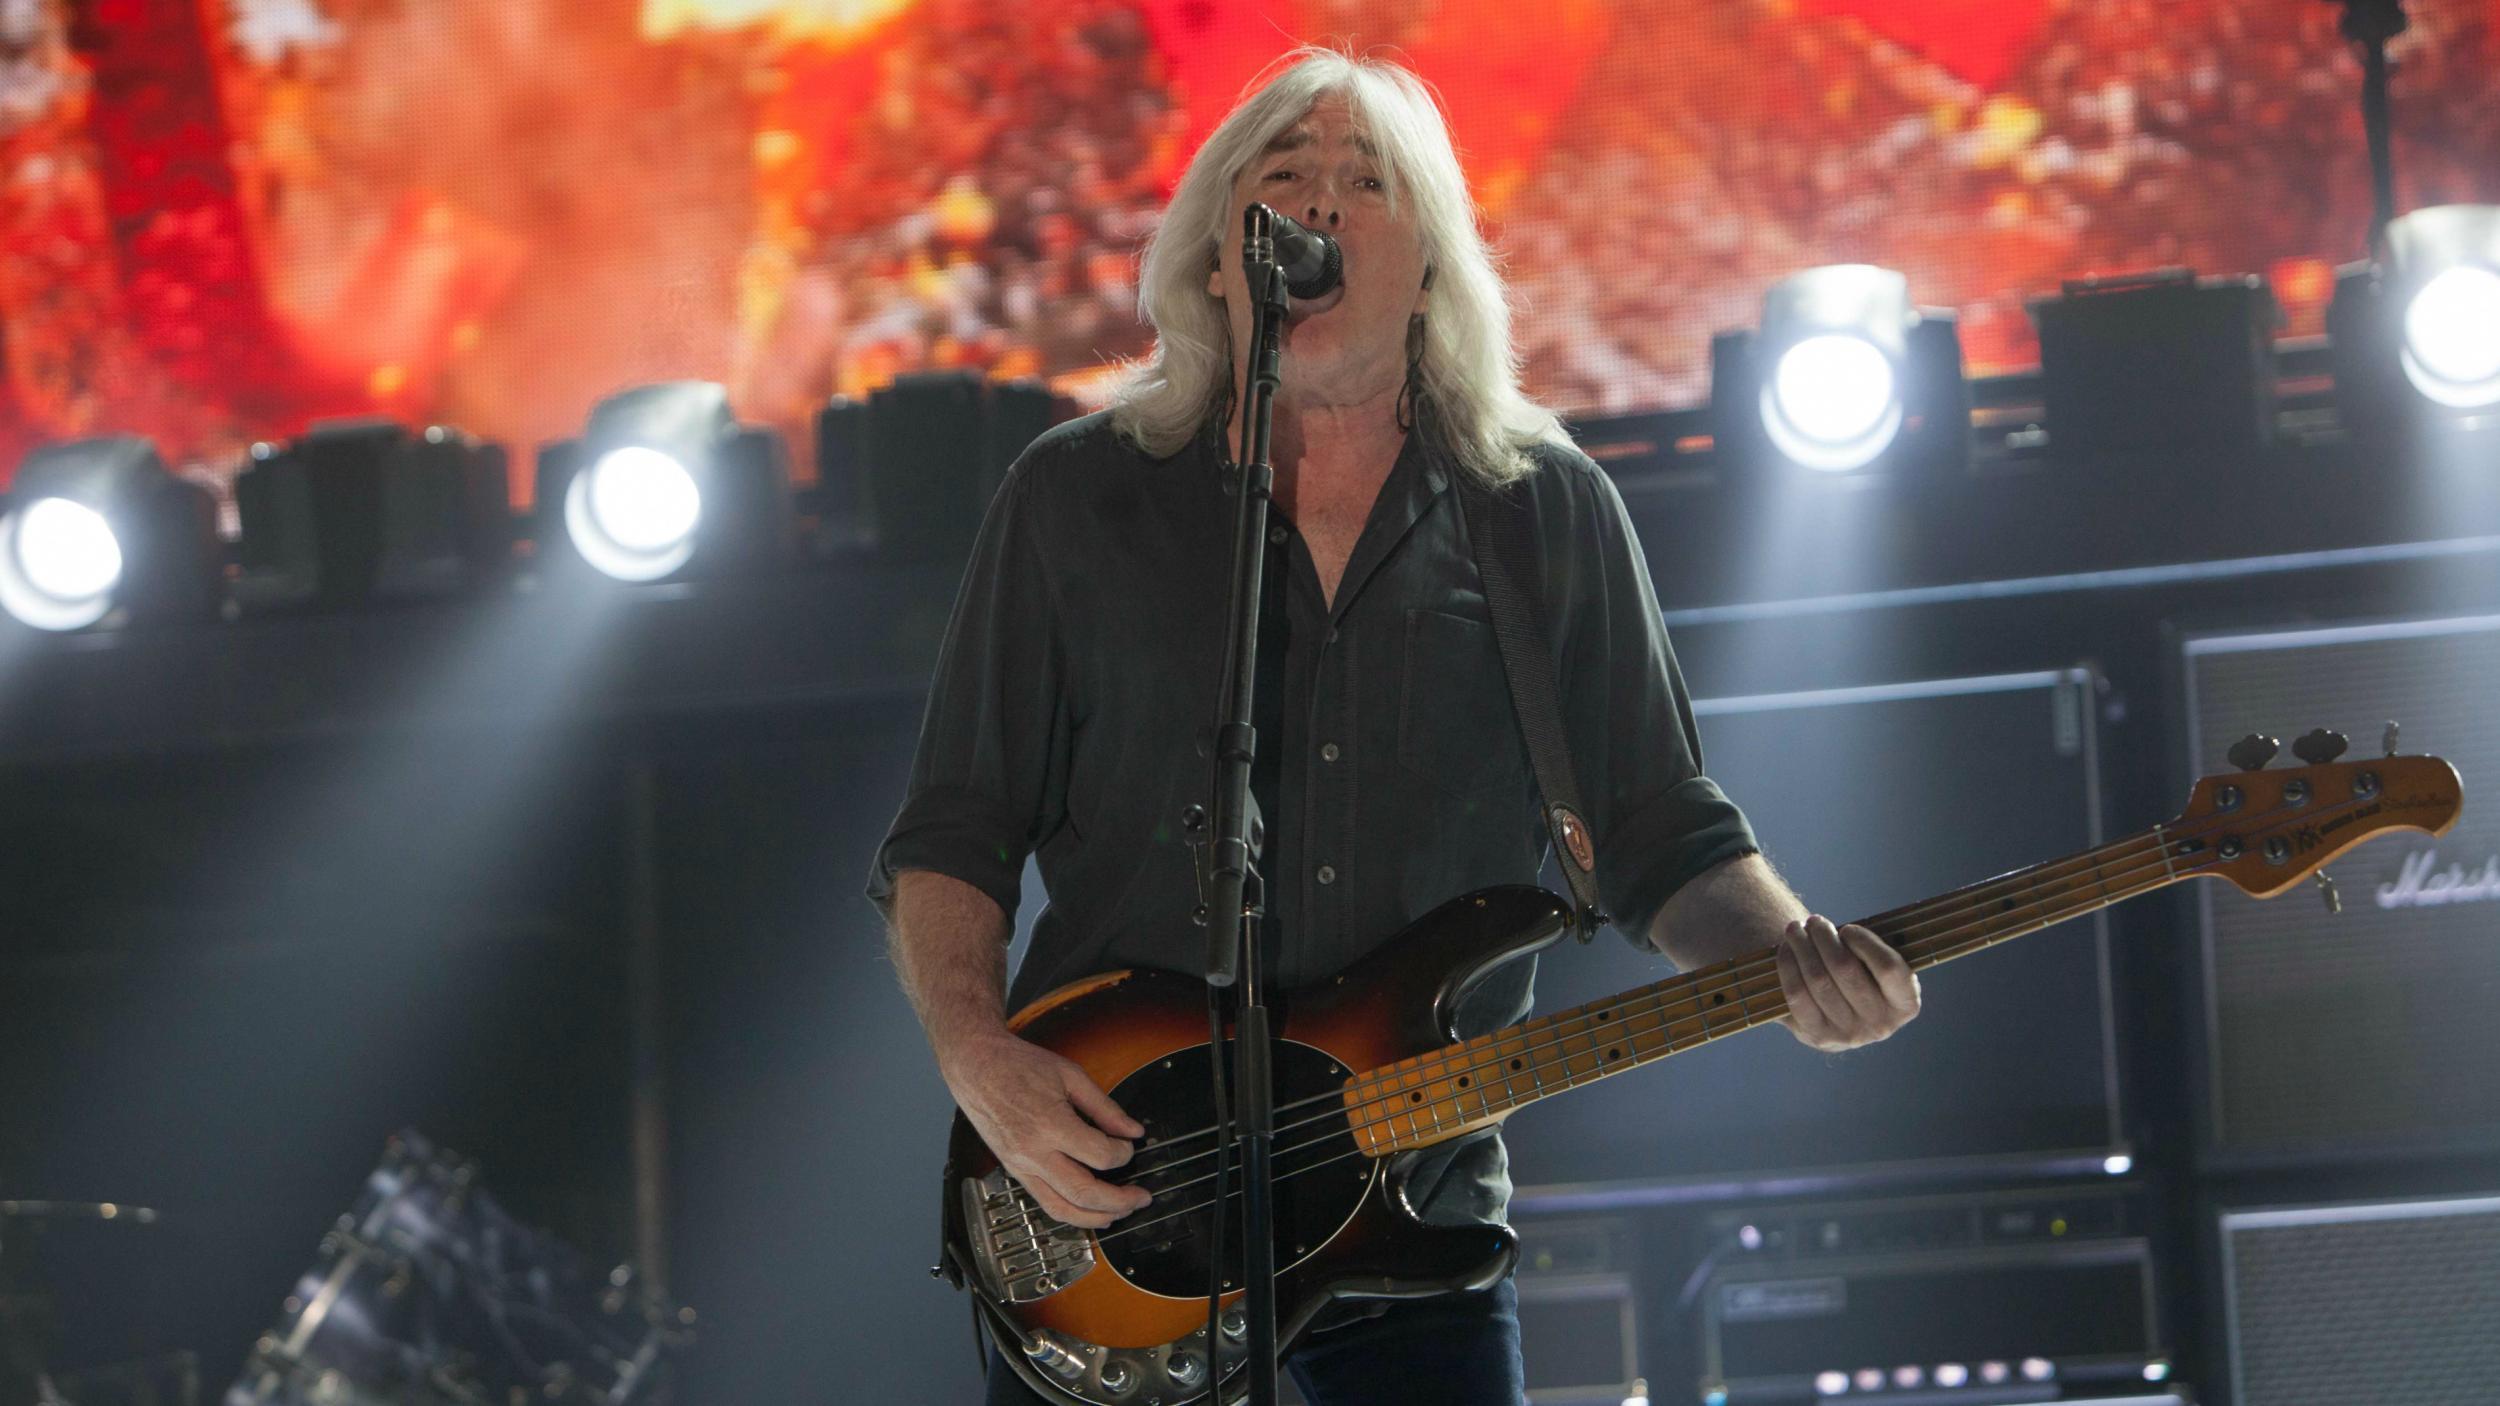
[2393, 1301]
[2370, 1030]
[1866, 798]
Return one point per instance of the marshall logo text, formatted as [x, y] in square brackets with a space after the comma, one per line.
[2421, 883]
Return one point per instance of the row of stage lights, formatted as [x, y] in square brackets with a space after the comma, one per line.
[1844, 373]
[1843, 376]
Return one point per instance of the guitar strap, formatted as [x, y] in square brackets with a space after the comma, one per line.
[1502, 533]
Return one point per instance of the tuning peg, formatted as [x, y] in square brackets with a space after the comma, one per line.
[2319, 746]
[2389, 741]
[2326, 886]
[2251, 753]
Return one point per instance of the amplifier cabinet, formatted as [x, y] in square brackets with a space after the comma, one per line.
[2369, 1032]
[1866, 798]
[2386, 1301]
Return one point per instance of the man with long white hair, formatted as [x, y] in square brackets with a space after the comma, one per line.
[1068, 714]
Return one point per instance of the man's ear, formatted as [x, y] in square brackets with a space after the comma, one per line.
[1215, 281]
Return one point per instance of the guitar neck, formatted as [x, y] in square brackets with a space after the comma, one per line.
[1437, 1096]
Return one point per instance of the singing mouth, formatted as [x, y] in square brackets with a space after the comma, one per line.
[1313, 307]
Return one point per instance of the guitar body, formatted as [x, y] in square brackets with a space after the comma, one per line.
[1120, 1315]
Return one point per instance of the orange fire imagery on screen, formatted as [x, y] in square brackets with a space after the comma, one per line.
[223, 219]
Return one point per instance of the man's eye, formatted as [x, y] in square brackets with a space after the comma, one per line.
[1374, 183]
[1280, 175]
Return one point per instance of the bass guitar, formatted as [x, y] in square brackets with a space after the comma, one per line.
[1367, 1066]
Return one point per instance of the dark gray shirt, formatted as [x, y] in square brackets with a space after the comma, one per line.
[1077, 682]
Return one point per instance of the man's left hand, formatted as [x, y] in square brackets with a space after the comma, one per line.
[1845, 987]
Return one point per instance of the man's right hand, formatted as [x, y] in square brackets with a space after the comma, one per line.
[1048, 1123]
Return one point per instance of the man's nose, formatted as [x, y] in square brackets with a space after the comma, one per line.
[1325, 210]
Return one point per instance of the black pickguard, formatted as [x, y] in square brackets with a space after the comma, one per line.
[1321, 1177]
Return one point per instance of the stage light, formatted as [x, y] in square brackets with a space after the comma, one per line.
[2038, 1369]
[98, 526]
[1843, 373]
[2447, 268]
[1831, 403]
[359, 509]
[1870, 1379]
[1952, 1374]
[1831, 1383]
[66, 551]
[664, 483]
[642, 505]
[2118, 1164]
[2415, 342]
[2156, 1371]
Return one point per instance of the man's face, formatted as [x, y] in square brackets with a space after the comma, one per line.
[1349, 345]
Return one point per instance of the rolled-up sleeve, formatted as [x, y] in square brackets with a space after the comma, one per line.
[1658, 820]
[988, 781]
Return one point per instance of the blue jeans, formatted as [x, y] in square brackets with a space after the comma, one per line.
[1455, 1350]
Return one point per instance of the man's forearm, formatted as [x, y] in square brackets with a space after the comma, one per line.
[1728, 910]
[949, 943]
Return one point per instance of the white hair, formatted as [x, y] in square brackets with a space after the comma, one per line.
[1469, 371]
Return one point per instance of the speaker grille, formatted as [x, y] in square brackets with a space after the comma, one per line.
[2370, 1029]
[2388, 1302]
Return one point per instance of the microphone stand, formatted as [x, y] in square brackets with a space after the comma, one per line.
[1229, 888]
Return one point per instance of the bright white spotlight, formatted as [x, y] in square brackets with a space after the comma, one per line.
[2118, 1164]
[1831, 403]
[68, 550]
[633, 513]
[59, 562]
[2452, 338]
[1831, 1383]
[1837, 339]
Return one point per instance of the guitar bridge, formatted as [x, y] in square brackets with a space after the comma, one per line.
[1021, 1254]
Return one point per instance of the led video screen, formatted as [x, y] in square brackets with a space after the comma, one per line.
[225, 218]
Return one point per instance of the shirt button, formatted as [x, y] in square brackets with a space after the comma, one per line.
[1332, 634]
[1327, 875]
[1328, 751]
[1276, 535]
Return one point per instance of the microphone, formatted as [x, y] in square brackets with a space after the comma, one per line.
[1312, 262]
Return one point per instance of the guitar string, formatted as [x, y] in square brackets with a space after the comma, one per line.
[1958, 905]
[1942, 953]
[1908, 918]
[1661, 1009]
[1905, 922]
[1684, 1003]
[2130, 885]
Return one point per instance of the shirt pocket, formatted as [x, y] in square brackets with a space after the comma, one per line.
[1456, 728]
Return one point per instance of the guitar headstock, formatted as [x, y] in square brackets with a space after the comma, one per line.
[2267, 830]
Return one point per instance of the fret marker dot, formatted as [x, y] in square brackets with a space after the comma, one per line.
[1719, 1000]
[1605, 1015]
[1416, 1097]
[1462, 1081]
[1610, 1054]
[1515, 1064]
